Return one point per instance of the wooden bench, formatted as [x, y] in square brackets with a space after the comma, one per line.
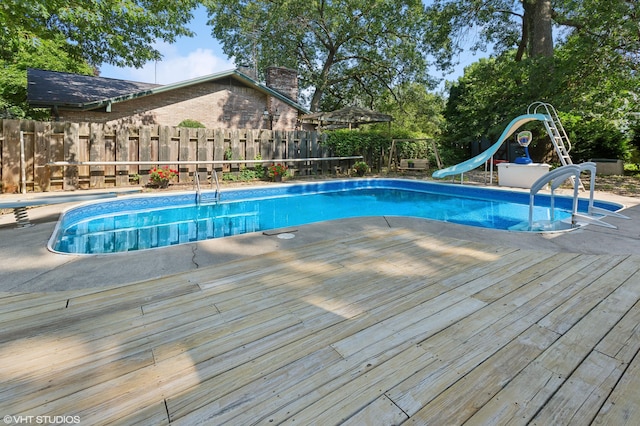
[414, 164]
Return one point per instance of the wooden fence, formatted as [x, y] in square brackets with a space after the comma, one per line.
[45, 142]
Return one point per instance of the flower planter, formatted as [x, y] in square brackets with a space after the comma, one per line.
[277, 171]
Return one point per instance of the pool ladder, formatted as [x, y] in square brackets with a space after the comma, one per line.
[214, 179]
[555, 178]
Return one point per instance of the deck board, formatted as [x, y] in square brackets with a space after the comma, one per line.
[383, 327]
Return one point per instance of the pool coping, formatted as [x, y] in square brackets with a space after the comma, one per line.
[27, 266]
[134, 203]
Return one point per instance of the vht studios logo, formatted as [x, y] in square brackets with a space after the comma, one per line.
[41, 420]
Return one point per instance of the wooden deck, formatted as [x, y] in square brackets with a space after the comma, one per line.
[381, 328]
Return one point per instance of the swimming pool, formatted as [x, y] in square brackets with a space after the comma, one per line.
[160, 220]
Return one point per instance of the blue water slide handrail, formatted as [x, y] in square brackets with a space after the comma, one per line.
[480, 159]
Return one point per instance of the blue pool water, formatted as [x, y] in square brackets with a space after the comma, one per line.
[145, 222]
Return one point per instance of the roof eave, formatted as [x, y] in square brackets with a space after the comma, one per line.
[232, 73]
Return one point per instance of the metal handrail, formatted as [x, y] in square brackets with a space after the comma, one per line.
[194, 162]
[196, 182]
[215, 178]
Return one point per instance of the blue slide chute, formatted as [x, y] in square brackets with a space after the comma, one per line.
[482, 158]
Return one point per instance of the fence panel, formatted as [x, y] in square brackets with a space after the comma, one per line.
[45, 142]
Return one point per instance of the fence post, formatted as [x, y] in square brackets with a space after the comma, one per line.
[23, 166]
[144, 153]
[70, 146]
[11, 156]
[122, 154]
[202, 153]
[96, 153]
[41, 148]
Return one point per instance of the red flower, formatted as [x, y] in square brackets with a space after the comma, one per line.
[277, 169]
[160, 174]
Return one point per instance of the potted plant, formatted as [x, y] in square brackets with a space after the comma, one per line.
[360, 168]
[411, 164]
[161, 176]
[277, 171]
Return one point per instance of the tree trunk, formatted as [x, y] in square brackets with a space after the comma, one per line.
[317, 95]
[538, 18]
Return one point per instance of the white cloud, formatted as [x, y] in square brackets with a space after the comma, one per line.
[173, 67]
[197, 63]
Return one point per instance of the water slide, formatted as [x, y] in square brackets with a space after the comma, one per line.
[482, 158]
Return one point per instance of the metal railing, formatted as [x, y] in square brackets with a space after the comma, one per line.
[197, 163]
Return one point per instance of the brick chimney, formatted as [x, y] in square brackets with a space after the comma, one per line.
[283, 80]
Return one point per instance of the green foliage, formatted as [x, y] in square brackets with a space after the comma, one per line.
[595, 102]
[343, 49]
[228, 153]
[415, 111]
[345, 143]
[45, 54]
[258, 171]
[361, 168]
[371, 144]
[505, 25]
[244, 175]
[480, 104]
[413, 149]
[96, 31]
[77, 36]
[193, 124]
[596, 138]
[592, 73]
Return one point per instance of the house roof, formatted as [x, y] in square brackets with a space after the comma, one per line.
[75, 91]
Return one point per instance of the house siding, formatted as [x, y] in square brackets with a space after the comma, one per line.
[226, 104]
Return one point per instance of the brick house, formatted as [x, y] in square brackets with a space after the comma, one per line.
[231, 99]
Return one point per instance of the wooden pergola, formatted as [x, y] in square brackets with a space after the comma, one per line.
[348, 117]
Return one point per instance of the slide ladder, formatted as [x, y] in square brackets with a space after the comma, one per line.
[556, 131]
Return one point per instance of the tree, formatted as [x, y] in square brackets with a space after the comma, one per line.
[49, 54]
[589, 71]
[118, 32]
[527, 25]
[344, 50]
[414, 110]
[594, 103]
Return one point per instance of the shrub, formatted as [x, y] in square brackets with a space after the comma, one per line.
[595, 138]
[191, 124]
[348, 142]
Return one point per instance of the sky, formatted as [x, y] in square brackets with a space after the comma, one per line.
[188, 57]
[192, 57]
